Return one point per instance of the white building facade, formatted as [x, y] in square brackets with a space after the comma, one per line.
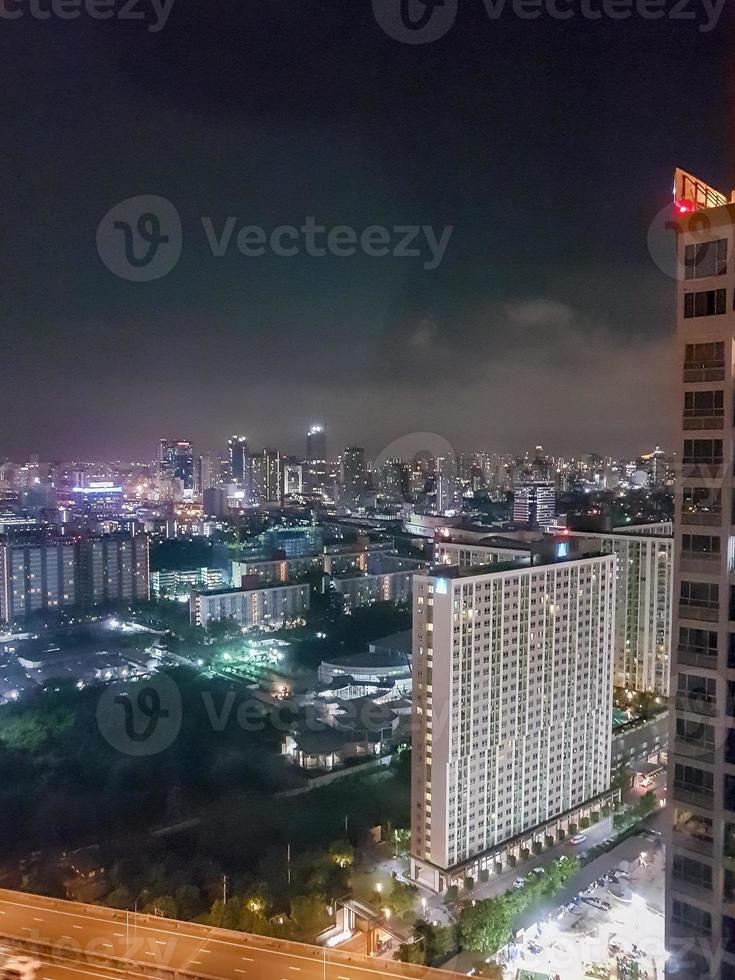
[512, 705]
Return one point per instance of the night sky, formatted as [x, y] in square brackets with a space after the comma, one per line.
[548, 145]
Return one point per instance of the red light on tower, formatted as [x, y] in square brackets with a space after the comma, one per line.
[684, 206]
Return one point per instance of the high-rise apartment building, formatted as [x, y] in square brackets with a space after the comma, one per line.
[512, 689]
[38, 573]
[534, 503]
[239, 459]
[354, 475]
[113, 568]
[700, 877]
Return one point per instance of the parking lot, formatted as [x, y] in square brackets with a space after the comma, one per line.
[612, 918]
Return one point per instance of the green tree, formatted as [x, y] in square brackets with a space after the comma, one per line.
[402, 898]
[486, 926]
[120, 898]
[164, 905]
[309, 916]
[342, 853]
[188, 901]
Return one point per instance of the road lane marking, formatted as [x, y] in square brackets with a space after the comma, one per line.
[297, 968]
[247, 959]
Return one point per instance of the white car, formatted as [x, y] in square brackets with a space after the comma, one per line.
[577, 839]
[519, 882]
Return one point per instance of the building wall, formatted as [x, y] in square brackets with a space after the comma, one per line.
[254, 607]
[700, 915]
[36, 576]
[512, 702]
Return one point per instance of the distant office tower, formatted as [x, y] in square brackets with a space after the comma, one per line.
[293, 479]
[448, 493]
[206, 472]
[37, 573]
[534, 503]
[239, 459]
[176, 461]
[512, 698]
[700, 881]
[316, 442]
[100, 501]
[113, 568]
[38, 498]
[354, 475]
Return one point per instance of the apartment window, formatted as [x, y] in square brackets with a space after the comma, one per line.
[702, 451]
[708, 302]
[706, 259]
[691, 871]
[698, 404]
[703, 595]
[700, 544]
[696, 694]
[687, 915]
[693, 780]
[702, 642]
[695, 733]
[701, 500]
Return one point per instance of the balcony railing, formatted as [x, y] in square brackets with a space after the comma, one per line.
[698, 612]
[696, 705]
[711, 518]
[704, 422]
[703, 800]
[696, 658]
[693, 374]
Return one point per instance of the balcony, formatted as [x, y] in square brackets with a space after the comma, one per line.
[690, 657]
[703, 422]
[696, 373]
[693, 751]
[703, 613]
[710, 518]
[701, 562]
[687, 842]
[704, 801]
[702, 470]
[694, 704]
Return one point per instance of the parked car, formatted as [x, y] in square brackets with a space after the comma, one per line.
[519, 882]
[537, 871]
[578, 839]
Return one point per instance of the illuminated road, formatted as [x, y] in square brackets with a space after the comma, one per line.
[152, 943]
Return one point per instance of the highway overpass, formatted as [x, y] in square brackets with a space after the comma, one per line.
[77, 941]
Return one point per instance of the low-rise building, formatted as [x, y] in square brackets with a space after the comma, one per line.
[250, 607]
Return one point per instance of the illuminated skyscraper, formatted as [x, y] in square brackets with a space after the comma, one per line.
[534, 503]
[316, 442]
[176, 461]
[512, 699]
[700, 878]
